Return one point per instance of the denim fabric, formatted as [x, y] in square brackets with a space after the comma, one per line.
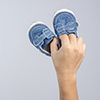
[40, 36]
[65, 23]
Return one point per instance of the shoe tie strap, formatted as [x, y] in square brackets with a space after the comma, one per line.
[46, 33]
[70, 27]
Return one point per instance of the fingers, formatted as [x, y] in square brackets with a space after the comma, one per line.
[79, 40]
[72, 38]
[84, 49]
[53, 45]
[81, 45]
[64, 39]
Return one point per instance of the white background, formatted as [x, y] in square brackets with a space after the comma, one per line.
[26, 73]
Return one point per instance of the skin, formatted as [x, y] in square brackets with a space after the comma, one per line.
[66, 61]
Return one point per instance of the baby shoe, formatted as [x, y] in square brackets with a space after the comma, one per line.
[41, 36]
[64, 22]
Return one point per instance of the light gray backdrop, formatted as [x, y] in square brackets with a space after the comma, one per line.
[26, 73]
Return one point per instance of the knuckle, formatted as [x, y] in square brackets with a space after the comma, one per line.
[76, 49]
[84, 48]
[85, 45]
[81, 39]
[67, 47]
[81, 53]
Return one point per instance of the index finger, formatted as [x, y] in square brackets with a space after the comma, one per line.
[64, 39]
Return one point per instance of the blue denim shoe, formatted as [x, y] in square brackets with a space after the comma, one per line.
[64, 22]
[41, 36]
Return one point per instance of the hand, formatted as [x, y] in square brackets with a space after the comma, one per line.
[67, 60]
[69, 57]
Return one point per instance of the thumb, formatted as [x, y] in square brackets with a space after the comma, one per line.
[53, 46]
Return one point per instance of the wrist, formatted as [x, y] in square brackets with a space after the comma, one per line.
[66, 82]
[66, 77]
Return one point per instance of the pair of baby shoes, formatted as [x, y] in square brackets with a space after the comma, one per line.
[64, 22]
